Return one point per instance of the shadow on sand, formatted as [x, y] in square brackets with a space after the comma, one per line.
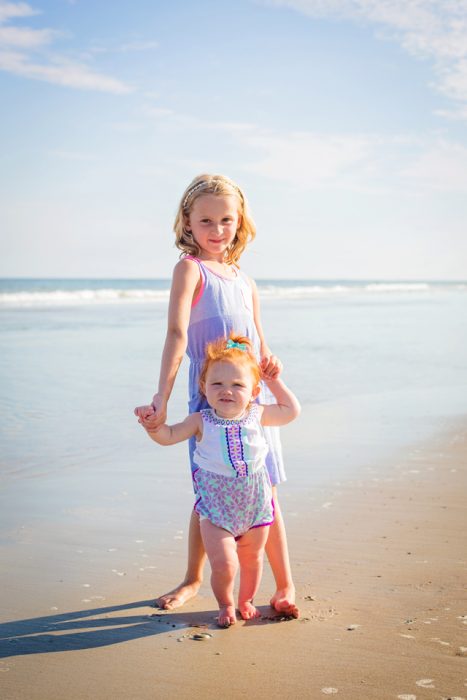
[80, 630]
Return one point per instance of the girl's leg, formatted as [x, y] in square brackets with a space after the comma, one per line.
[222, 554]
[278, 555]
[250, 550]
[188, 588]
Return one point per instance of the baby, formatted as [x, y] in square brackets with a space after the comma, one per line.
[233, 491]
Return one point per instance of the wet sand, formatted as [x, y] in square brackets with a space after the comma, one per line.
[380, 563]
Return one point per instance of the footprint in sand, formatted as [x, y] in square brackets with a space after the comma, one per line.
[406, 697]
[425, 683]
[329, 691]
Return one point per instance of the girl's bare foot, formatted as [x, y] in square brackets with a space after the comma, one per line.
[283, 601]
[226, 616]
[247, 610]
[178, 596]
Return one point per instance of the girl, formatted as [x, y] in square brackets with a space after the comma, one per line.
[233, 490]
[209, 298]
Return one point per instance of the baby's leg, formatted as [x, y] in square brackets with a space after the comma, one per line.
[278, 554]
[250, 549]
[222, 554]
[188, 588]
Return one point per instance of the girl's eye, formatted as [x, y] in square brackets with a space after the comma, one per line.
[242, 386]
[205, 221]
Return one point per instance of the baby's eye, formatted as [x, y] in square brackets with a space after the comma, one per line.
[205, 221]
[227, 219]
[239, 384]
[215, 383]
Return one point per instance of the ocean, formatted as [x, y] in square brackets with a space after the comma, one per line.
[376, 365]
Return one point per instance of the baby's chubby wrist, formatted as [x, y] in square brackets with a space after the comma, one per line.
[276, 380]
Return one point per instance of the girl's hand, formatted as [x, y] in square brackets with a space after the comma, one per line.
[151, 417]
[271, 367]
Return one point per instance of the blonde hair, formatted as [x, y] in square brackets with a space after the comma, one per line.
[220, 351]
[219, 185]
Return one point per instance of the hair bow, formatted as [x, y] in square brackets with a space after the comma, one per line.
[240, 346]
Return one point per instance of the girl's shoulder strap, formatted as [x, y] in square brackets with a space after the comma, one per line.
[203, 277]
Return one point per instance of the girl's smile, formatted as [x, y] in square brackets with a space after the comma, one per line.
[213, 223]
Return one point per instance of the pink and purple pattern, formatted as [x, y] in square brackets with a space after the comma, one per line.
[236, 505]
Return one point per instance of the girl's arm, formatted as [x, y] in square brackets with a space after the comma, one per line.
[270, 364]
[257, 318]
[287, 407]
[185, 281]
[171, 434]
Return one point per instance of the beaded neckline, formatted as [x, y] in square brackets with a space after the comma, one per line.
[211, 416]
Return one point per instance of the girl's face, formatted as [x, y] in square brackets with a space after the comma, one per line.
[213, 222]
[229, 388]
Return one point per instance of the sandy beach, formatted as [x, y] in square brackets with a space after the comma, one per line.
[379, 561]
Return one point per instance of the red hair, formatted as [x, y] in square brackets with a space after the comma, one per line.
[219, 351]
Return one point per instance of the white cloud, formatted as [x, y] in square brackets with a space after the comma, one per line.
[140, 46]
[8, 10]
[20, 54]
[442, 166]
[25, 38]
[435, 29]
[67, 74]
[131, 46]
[309, 160]
[404, 164]
[158, 112]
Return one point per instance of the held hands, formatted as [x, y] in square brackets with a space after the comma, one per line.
[271, 366]
[153, 416]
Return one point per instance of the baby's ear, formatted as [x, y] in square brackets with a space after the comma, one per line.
[255, 391]
[202, 388]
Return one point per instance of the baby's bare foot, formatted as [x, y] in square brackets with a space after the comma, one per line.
[283, 601]
[247, 610]
[226, 616]
[178, 596]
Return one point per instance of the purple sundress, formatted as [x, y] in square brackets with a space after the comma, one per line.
[223, 305]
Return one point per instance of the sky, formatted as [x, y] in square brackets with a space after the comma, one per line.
[344, 121]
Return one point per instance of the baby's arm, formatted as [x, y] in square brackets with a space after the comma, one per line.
[171, 434]
[287, 407]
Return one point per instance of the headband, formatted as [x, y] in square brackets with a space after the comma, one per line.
[192, 191]
[201, 184]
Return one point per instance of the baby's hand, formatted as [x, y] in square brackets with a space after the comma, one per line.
[271, 367]
[152, 416]
[144, 412]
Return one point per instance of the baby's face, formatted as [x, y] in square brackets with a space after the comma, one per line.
[229, 388]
